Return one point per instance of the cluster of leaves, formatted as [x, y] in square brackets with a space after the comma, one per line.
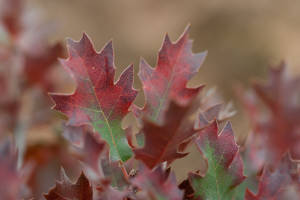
[25, 60]
[116, 163]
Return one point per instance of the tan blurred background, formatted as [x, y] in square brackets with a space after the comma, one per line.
[242, 37]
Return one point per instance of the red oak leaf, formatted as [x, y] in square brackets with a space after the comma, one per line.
[157, 184]
[277, 120]
[162, 141]
[224, 164]
[65, 189]
[275, 184]
[211, 107]
[98, 100]
[167, 81]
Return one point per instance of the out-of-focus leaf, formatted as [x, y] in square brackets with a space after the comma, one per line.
[277, 120]
[28, 44]
[105, 192]
[158, 184]
[162, 141]
[13, 180]
[212, 107]
[46, 159]
[88, 145]
[10, 15]
[275, 183]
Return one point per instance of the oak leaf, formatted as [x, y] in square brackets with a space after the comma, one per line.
[98, 100]
[275, 183]
[162, 141]
[224, 165]
[65, 189]
[274, 112]
[176, 65]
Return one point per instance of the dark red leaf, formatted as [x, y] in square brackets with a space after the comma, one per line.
[162, 141]
[189, 193]
[36, 67]
[65, 189]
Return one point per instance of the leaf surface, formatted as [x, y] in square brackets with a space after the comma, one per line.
[65, 189]
[224, 165]
[281, 95]
[159, 184]
[162, 141]
[274, 111]
[10, 15]
[98, 100]
[167, 81]
[89, 146]
[13, 179]
[105, 191]
[275, 184]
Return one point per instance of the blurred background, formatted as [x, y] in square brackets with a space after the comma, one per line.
[243, 38]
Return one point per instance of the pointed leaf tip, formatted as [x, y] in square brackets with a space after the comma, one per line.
[186, 32]
[162, 142]
[176, 65]
[225, 166]
[227, 130]
[98, 100]
[65, 189]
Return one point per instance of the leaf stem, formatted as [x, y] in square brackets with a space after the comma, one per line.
[124, 171]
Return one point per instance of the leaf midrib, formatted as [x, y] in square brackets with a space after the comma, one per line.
[214, 167]
[162, 100]
[101, 110]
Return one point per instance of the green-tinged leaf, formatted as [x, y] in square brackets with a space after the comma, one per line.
[224, 165]
[98, 100]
